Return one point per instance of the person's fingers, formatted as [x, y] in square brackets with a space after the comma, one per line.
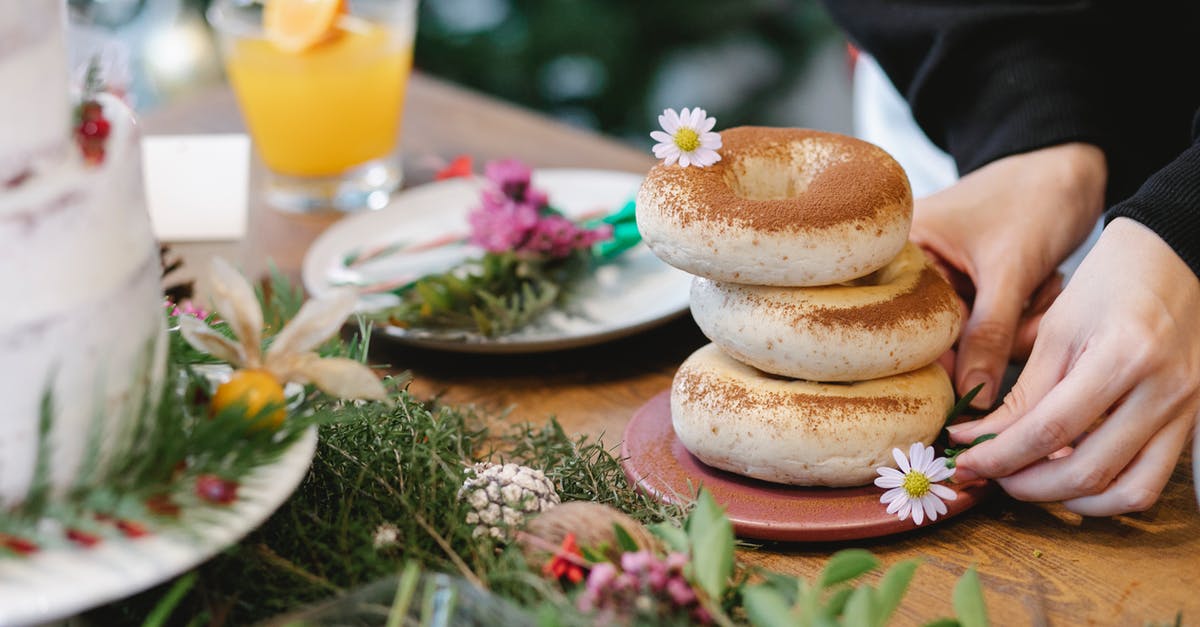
[1100, 456]
[1045, 368]
[1139, 486]
[1027, 327]
[1084, 394]
[987, 339]
[1026, 336]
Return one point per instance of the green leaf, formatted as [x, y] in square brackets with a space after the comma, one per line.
[943, 622]
[624, 540]
[162, 611]
[858, 612]
[846, 565]
[592, 555]
[765, 607]
[675, 538]
[892, 587]
[786, 585]
[983, 438]
[705, 513]
[962, 404]
[837, 601]
[712, 558]
[969, 606]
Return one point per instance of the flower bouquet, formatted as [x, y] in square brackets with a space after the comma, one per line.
[533, 256]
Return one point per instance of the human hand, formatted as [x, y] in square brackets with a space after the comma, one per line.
[1114, 373]
[999, 235]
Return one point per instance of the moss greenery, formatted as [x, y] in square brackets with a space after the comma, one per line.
[399, 467]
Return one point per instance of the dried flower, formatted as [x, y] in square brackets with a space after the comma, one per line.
[566, 563]
[291, 356]
[386, 535]
[914, 488]
[687, 138]
[644, 585]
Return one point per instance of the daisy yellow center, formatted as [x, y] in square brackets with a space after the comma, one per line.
[916, 484]
[687, 139]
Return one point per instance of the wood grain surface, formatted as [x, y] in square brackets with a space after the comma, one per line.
[1039, 564]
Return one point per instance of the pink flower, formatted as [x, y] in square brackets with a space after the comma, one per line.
[514, 216]
[510, 176]
[185, 308]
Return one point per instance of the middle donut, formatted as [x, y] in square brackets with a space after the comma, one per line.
[897, 319]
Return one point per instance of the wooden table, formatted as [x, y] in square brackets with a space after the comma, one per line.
[1039, 564]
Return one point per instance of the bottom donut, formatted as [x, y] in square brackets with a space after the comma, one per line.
[736, 418]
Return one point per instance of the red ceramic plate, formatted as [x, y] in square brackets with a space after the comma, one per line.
[657, 462]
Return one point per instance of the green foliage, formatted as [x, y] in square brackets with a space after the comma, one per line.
[620, 54]
[489, 296]
[968, 601]
[836, 599]
[710, 540]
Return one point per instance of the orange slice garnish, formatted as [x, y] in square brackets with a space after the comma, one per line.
[297, 25]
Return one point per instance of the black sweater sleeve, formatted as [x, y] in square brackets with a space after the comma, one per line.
[1169, 204]
[991, 78]
[988, 79]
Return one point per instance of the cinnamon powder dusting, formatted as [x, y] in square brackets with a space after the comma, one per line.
[700, 386]
[848, 181]
[929, 297]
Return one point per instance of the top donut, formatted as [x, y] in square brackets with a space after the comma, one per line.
[783, 207]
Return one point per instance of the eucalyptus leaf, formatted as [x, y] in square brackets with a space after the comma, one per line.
[969, 606]
[892, 587]
[859, 608]
[846, 565]
[766, 607]
[624, 541]
[712, 558]
[837, 601]
[675, 538]
[786, 585]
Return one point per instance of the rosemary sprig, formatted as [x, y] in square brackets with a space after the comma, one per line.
[492, 295]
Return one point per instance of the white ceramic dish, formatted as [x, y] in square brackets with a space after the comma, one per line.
[57, 582]
[632, 293]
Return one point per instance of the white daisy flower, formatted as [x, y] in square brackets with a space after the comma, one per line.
[687, 137]
[914, 488]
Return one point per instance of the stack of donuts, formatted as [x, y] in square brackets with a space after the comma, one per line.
[826, 323]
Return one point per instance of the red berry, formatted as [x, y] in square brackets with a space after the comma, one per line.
[132, 529]
[95, 128]
[83, 538]
[162, 505]
[17, 545]
[216, 490]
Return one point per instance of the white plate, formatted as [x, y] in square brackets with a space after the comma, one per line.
[634, 292]
[58, 582]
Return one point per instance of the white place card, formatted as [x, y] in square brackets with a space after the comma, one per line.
[197, 186]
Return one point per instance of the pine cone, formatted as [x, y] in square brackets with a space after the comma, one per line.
[501, 496]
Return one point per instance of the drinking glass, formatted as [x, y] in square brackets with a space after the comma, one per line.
[326, 120]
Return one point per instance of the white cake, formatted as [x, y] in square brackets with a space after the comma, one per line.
[81, 320]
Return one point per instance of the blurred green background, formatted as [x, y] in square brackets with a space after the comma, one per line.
[609, 65]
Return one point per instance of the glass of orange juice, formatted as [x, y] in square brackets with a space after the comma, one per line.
[321, 85]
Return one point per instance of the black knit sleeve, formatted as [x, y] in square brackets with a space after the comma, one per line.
[1169, 204]
[988, 79]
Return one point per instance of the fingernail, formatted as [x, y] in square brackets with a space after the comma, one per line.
[963, 475]
[984, 399]
[960, 431]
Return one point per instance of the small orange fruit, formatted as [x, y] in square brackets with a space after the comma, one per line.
[254, 390]
[294, 26]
